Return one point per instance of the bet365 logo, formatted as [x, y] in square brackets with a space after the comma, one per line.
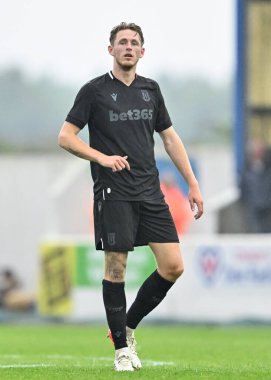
[144, 114]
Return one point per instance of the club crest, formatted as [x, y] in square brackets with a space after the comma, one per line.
[145, 95]
[111, 238]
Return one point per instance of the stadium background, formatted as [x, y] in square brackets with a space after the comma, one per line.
[46, 224]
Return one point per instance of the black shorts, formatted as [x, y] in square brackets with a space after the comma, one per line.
[122, 225]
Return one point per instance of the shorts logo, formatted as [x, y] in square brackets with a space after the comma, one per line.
[111, 238]
[145, 95]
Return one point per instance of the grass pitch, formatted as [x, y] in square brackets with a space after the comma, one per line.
[83, 352]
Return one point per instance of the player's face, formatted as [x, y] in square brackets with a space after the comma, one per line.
[127, 49]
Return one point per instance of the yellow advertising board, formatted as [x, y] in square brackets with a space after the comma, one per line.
[67, 269]
[56, 279]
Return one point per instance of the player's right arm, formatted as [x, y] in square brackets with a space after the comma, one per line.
[69, 140]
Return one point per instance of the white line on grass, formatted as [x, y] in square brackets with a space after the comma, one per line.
[147, 362]
[156, 363]
[91, 359]
[25, 365]
[10, 356]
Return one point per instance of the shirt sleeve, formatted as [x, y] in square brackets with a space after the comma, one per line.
[79, 114]
[163, 120]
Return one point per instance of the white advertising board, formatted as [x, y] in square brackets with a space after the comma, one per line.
[226, 278]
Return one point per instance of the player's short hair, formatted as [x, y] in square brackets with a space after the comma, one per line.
[124, 26]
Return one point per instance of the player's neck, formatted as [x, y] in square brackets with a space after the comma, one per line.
[127, 77]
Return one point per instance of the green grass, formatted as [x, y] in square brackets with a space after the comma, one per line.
[83, 352]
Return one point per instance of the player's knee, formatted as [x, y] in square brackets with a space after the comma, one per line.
[115, 267]
[178, 271]
[173, 272]
[115, 274]
[118, 274]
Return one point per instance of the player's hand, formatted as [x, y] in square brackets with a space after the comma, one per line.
[196, 201]
[116, 163]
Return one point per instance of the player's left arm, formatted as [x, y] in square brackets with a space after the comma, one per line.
[177, 152]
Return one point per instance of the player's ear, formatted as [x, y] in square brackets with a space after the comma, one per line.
[142, 52]
[110, 49]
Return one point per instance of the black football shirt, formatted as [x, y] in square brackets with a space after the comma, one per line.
[121, 121]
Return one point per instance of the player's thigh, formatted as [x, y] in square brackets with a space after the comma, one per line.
[115, 225]
[169, 259]
[156, 223]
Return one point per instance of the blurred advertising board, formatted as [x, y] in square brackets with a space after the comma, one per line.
[226, 279]
[71, 273]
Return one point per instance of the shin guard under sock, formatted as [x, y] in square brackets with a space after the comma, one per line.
[151, 293]
[115, 307]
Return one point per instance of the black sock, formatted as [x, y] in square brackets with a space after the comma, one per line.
[115, 307]
[151, 293]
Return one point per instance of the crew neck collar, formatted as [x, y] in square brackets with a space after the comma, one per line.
[112, 76]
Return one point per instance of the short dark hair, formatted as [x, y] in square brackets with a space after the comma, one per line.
[124, 26]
